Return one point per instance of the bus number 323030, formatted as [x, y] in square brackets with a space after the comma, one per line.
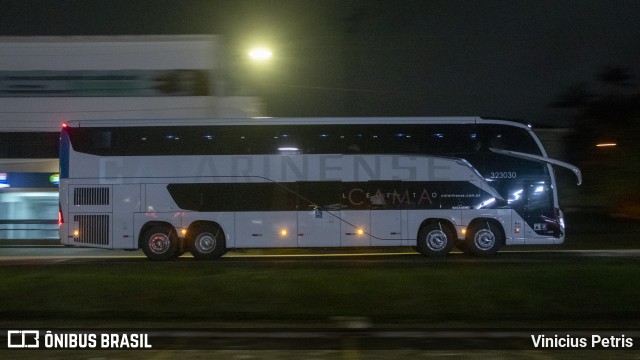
[504, 174]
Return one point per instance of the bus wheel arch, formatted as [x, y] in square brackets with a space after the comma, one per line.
[159, 241]
[436, 237]
[206, 240]
[484, 237]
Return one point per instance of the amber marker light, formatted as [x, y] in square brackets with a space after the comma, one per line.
[603, 145]
[284, 232]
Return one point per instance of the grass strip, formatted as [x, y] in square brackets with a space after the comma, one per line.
[433, 292]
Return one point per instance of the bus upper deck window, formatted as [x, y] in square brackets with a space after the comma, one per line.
[101, 139]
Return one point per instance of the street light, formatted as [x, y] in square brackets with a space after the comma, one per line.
[260, 54]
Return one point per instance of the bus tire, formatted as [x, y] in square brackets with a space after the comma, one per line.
[435, 239]
[160, 243]
[208, 242]
[484, 238]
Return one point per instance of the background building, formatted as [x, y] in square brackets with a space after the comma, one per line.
[45, 81]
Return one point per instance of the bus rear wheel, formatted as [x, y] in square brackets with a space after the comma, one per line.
[435, 239]
[159, 243]
[208, 242]
[484, 239]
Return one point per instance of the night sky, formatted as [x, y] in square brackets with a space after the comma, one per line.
[507, 59]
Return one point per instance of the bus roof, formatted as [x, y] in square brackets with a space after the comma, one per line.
[287, 121]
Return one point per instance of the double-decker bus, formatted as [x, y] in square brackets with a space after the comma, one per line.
[205, 186]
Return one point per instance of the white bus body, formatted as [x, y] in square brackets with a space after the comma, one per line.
[206, 186]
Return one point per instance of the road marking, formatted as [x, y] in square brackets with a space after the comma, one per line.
[233, 255]
[318, 255]
[188, 256]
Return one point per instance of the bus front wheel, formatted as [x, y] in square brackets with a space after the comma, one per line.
[208, 242]
[484, 239]
[435, 239]
[159, 243]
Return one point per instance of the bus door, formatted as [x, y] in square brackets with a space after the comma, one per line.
[319, 214]
[539, 210]
[126, 199]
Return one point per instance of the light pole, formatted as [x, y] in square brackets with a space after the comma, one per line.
[261, 59]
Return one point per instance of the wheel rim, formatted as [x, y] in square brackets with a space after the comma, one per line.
[205, 243]
[159, 243]
[436, 240]
[484, 239]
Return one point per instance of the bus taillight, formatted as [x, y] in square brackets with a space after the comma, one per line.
[60, 216]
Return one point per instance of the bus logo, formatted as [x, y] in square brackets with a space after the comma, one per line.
[23, 339]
